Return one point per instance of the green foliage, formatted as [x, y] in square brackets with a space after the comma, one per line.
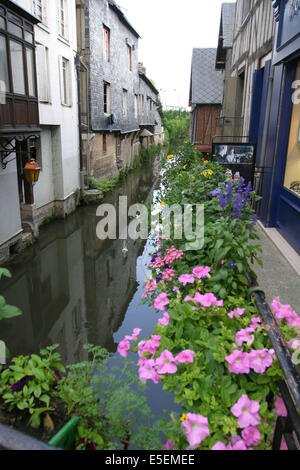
[176, 125]
[7, 311]
[105, 185]
[110, 402]
[27, 384]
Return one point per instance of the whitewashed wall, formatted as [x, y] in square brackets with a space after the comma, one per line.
[60, 136]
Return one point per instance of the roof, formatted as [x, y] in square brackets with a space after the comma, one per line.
[122, 17]
[206, 82]
[149, 83]
[227, 23]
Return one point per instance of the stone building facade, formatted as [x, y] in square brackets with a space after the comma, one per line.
[116, 100]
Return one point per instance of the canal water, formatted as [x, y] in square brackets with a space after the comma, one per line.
[75, 289]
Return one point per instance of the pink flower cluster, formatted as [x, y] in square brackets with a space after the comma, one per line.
[168, 274]
[171, 255]
[258, 360]
[124, 346]
[206, 300]
[149, 288]
[198, 272]
[166, 363]
[247, 413]
[285, 312]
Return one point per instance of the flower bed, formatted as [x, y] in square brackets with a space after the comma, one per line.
[210, 346]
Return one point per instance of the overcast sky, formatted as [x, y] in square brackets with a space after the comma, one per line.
[169, 30]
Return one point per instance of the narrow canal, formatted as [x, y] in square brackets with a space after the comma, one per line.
[75, 289]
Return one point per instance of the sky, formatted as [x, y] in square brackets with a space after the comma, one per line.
[169, 31]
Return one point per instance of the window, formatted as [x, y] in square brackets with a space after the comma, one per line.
[106, 44]
[106, 92]
[17, 66]
[43, 73]
[4, 81]
[39, 9]
[104, 144]
[136, 106]
[66, 97]
[62, 19]
[129, 56]
[142, 104]
[30, 71]
[292, 170]
[125, 102]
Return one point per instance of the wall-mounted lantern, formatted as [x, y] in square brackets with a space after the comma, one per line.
[32, 171]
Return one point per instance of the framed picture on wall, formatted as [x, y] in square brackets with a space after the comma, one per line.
[238, 157]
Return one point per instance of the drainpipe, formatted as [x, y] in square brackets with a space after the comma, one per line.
[77, 64]
[88, 151]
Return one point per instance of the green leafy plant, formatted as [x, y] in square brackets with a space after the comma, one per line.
[110, 403]
[27, 384]
[7, 311]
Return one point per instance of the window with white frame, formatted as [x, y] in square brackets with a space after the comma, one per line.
[125, 102]
[42, 60]
[39, 8]
[65, 82]
[63, 18]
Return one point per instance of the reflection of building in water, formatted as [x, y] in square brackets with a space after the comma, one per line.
[73, 289]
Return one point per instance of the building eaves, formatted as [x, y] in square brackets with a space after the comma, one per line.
[122, 17]
[148, 82]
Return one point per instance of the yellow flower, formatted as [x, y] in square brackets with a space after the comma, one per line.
[170, 156]
[204, 173]
[184, 418]
[162, 203]
[193, 178]
[184, 167]
[210, 172]
[205, 161]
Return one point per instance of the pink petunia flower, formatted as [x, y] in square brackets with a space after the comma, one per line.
[246, 411]
[238, 312]
[195, 428]
[135, 334]
[147, 371]
[280, 408]
[123, 348]
[238, 362]
[251, 436]
[169, 444]
[161, 301]
[244, 336]
[220, 446]
[200, 272]
[186, 279]
[185, 356]
[165, 320]
[165, 363]
[260, 360]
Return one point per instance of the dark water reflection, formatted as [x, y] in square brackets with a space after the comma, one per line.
[75, 289]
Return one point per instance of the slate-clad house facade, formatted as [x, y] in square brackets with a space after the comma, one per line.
[114, 96]
[206, 95]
